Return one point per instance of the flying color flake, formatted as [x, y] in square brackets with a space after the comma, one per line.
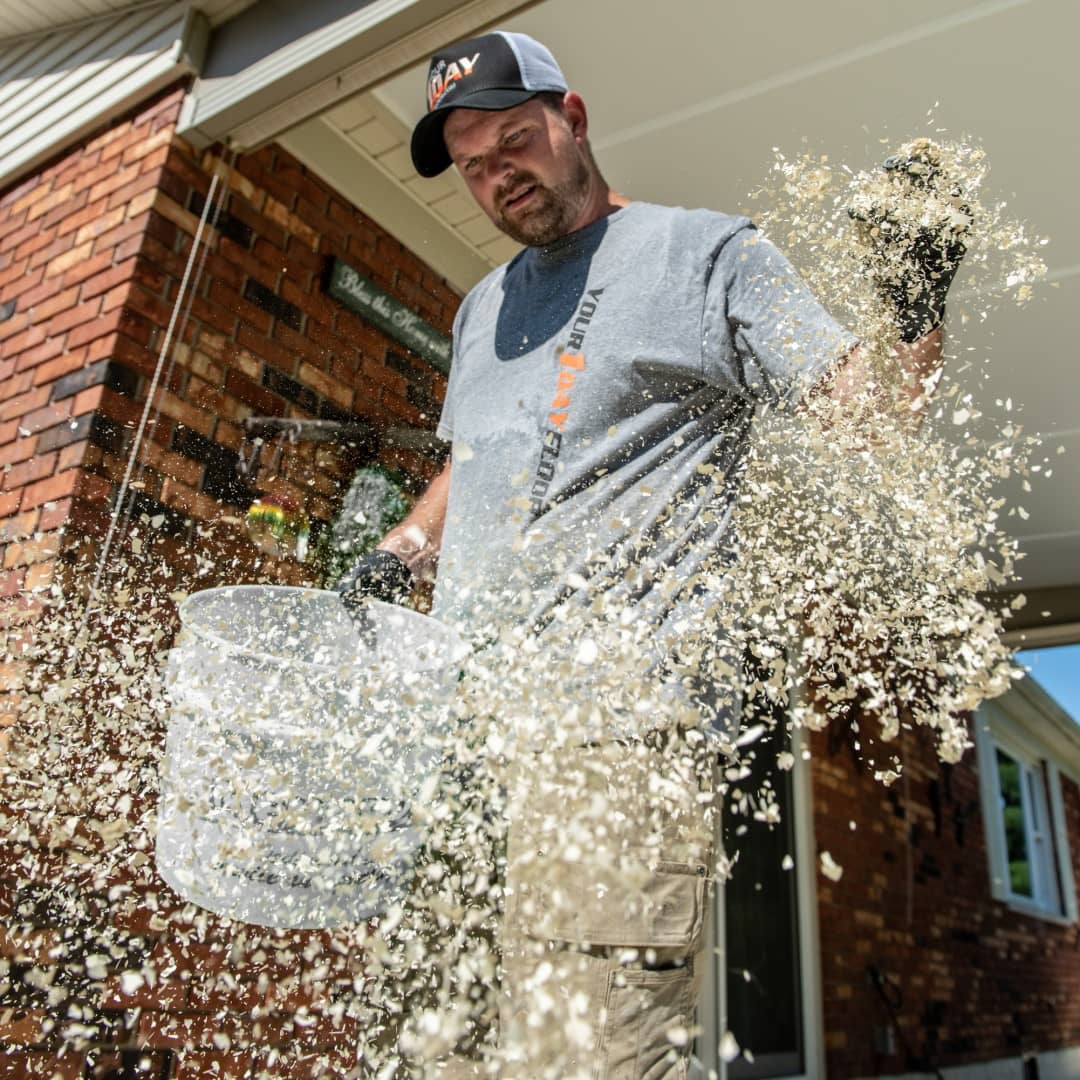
[865, 538]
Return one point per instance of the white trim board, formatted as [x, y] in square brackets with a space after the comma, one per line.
[304, 78]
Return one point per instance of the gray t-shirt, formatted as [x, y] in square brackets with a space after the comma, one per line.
[601, 395]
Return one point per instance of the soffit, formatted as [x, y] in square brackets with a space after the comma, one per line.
[378, 136]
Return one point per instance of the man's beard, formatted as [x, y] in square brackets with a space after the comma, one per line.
[553, 212]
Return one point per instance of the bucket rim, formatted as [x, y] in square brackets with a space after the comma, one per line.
[457, 646]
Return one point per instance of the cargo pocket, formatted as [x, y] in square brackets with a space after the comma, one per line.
[665, 909]
[647, 1020]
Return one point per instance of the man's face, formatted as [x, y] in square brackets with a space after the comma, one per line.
[527, 167]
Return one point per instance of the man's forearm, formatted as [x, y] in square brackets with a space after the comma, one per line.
[418, 539]
[918, 365]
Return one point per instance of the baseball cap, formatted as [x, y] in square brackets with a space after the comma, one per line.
[495, 71]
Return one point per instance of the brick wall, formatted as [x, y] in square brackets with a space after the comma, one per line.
[69, 241]
[93, 248]
[970, 979]
[92, 252]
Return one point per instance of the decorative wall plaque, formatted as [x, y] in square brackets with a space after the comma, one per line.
[363, 297]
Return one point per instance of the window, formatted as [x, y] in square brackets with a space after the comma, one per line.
[1024, 742]
[1028, 846]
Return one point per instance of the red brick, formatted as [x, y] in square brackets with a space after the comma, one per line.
[29, 552]
[150, 306]
[55, 515]
[146, 146]
[200, 1064]
[136, 185]
[13, 452]
[270, 351]
[42, 1065]
[57, 197]
[108, 279]
[29, 358]
[42, 253]
[186, 414]
[163, 111]
[11, 582]
[74, 316]
[84, 213]
[63, 365]
[19, 527]
[101, 326]
[34, 195]
[163, 259]
[44, 290]
[258, 397]
[116, 297]
[28, 472]
[404, 410]
[56, 487]
[18, 324]
[107, 138]
[150, 276]
[11, 222]
[181, 468]
[15, 385]
[15, 239]
[46, 417]
[127, 230]
[18, 271]
[24, 403]
[87, 268]
[380, 373]
[214, 315]
[63, 301]
[56, 217]
[74, 257]
[9, 197]
[180, 497]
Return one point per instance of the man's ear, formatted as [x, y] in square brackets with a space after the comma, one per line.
[576, 116]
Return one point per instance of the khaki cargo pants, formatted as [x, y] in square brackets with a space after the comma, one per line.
[609, 869]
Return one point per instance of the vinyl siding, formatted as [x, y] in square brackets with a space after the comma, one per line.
[56, 87]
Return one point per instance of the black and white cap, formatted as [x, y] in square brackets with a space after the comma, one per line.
[496, 71]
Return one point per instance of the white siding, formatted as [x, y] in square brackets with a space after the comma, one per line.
[56, 87]
[28, 16]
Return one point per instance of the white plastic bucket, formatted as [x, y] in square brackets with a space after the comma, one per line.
[296, 747]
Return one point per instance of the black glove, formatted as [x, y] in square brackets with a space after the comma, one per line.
[914, 263]
[378, 575]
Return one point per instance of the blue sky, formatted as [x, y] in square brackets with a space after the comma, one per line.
[1057, 671]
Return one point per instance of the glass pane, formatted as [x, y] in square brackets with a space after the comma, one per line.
[1033, 804]
[763, 979]
[1012, 816]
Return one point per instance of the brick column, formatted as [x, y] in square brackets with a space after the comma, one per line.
[92, 251]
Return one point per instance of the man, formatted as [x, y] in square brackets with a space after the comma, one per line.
[603, 388]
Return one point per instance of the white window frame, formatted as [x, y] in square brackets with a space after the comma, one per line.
[1031, 729]
[712, 1007]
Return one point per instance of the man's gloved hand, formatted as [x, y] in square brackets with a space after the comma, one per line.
[378, 575]
[914, 233]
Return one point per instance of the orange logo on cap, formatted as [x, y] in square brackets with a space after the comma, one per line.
[444, 77]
